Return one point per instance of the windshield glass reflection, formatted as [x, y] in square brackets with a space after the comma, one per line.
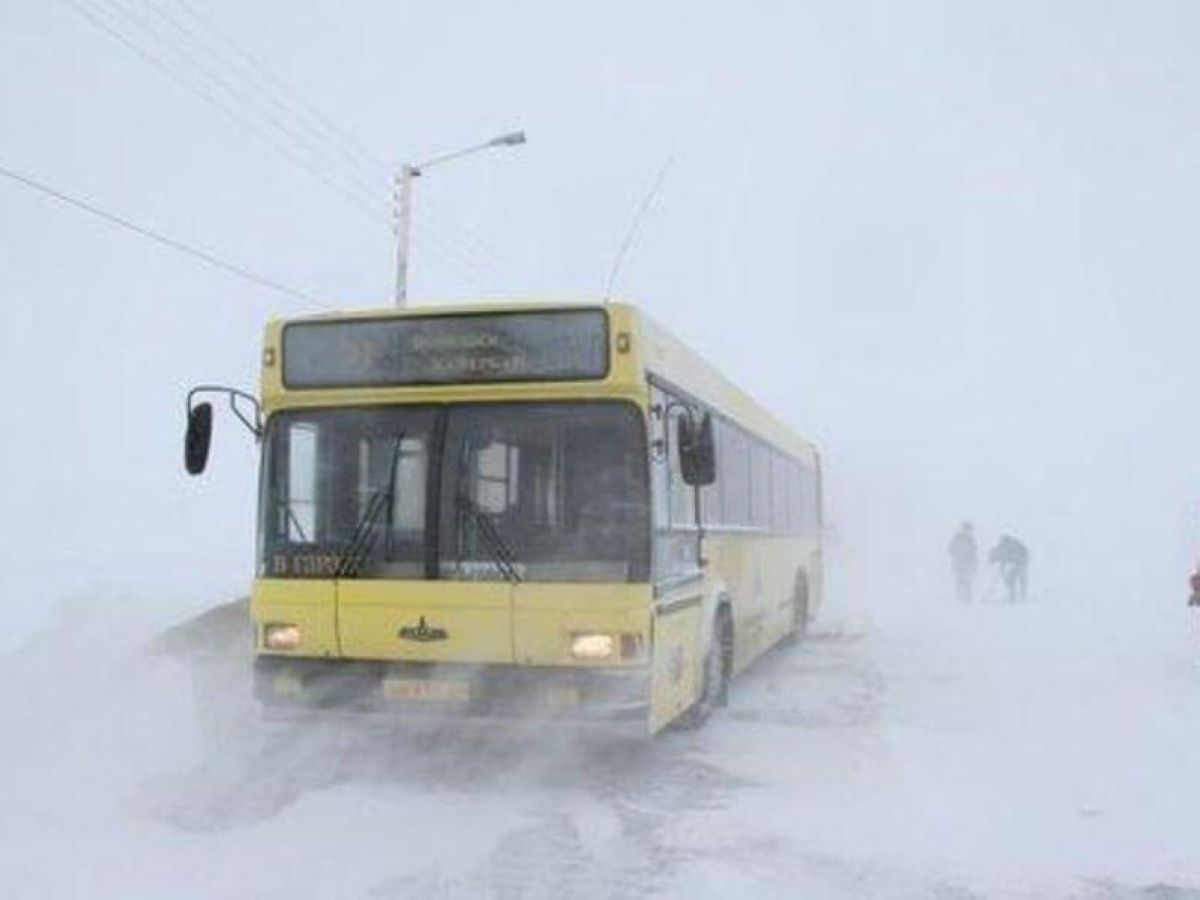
[547, 492]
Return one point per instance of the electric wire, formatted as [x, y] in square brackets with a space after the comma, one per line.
[315, 123]
[212, 100]
[173, 243]
[451, 256]
[243, 104]
[367, 167]
[353, 148]
[240, 90]
[458, 248]
[468, 240]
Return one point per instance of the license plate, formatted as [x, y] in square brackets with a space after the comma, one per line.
[426, 691]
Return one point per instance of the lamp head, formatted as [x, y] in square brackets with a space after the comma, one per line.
[508, 140]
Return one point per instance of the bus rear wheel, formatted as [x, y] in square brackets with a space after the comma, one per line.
[717, 672]
[800, 605]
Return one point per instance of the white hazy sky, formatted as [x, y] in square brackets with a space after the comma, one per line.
[953, 241]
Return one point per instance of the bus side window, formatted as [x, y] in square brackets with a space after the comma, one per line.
[795, 498]
[810, 515]
[733, 457]
[779, 493]
[760, 505]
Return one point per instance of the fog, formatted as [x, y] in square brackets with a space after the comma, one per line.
[950, 242]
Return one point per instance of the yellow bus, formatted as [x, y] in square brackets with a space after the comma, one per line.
[509, 509]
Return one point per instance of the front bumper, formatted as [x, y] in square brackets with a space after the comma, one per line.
[294, 683]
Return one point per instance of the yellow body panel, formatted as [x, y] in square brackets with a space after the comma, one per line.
[759, 573]
[678, 659]
[545, 616]
[308, 603]
[465, 621]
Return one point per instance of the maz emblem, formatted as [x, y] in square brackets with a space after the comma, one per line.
[422, 632]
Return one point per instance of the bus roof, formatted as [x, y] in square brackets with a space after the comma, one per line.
[670, 359]
[658, 352]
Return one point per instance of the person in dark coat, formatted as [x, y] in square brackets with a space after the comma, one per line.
[964, 559]
[1013, 559]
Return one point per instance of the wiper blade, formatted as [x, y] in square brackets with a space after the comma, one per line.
[365, 534]
[291, 516]
[502, 555]
[363, 539]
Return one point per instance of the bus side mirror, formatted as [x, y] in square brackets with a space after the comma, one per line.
[697, 452]
[198, 438]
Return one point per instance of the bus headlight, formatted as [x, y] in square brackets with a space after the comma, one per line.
[592, 646]
[280, 636]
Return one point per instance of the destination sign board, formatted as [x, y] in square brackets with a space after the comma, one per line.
[546, 345]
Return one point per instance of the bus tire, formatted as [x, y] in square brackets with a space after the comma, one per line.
[717, 672]
[800, 597]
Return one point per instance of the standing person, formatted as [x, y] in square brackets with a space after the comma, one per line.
[1013, 559]
[964, 558]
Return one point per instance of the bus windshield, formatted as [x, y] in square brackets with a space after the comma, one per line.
[518, 491]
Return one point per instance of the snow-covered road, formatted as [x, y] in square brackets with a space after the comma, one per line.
[921, 750]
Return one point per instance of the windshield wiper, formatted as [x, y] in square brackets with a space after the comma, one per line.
[291, 516]
[362, 541]
[502, 555]
[364, 536]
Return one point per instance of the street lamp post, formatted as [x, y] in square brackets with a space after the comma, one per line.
[403, 201]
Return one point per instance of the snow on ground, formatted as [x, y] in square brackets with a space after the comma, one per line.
[910, 750]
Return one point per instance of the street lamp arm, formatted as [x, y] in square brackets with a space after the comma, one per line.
[403, 198]
[504, 140]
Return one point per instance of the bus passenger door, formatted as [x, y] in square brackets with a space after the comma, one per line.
[679, 583]
[678, 649]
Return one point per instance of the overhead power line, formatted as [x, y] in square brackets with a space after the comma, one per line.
[246, 122]
[203, 59]
[349, 144]
[367, 168]
[264, 106]
[173, 243]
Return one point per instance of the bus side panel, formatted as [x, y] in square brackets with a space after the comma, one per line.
[677, 661]
[760, 573]
[546, 616]
[308, 603]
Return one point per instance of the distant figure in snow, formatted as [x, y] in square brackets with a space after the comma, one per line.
[1194, 581]
[964, 557]
[1012, 557]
